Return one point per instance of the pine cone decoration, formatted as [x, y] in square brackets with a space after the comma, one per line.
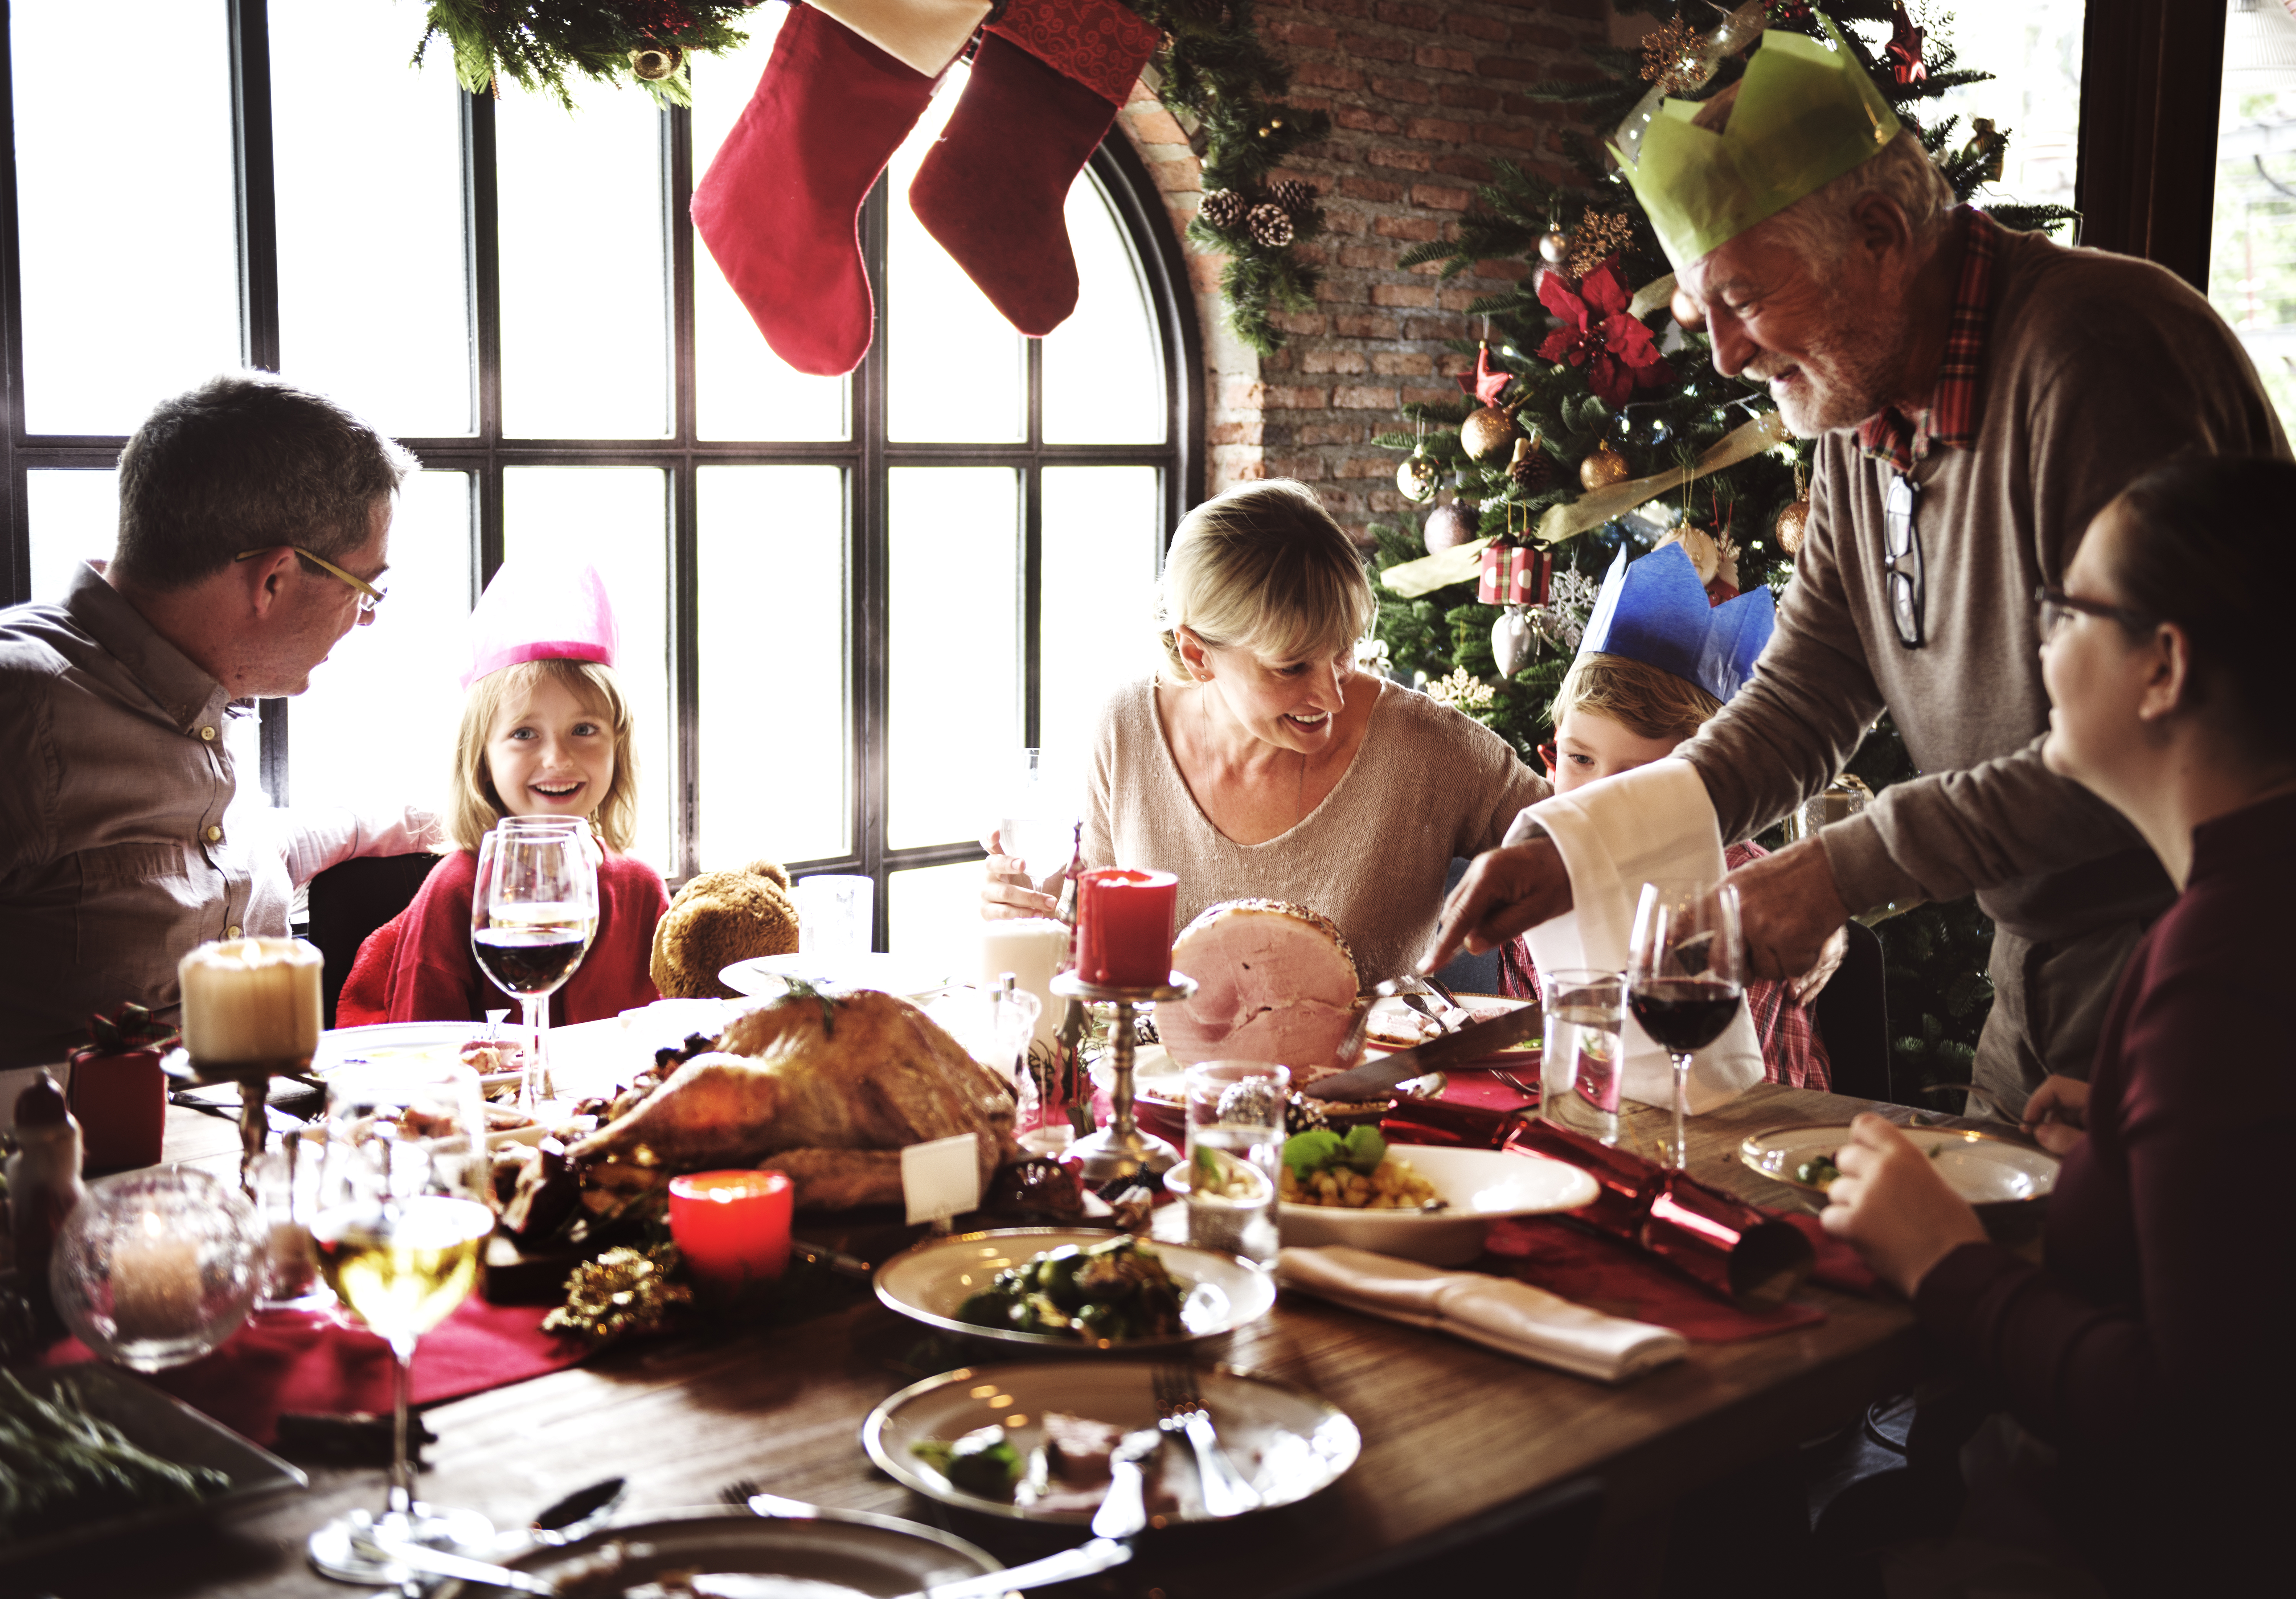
[1271, 225]
[1532, 468]
[1294, 196]
[1223, 209]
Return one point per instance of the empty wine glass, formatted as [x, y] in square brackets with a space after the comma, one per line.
[1685, 975]
[404, 1208]
[534, 910]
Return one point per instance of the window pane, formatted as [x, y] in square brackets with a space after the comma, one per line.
[1101, 530]
[125, 207]
[776, 763]
[75, 514]
[585, 319]
[376, 728]
[1103, 366]
[2252, 249]
[2034, 52]
[373, 301]
[953, 652]
[957, 368]
[744, 390]
[614, 518]
[934, 917]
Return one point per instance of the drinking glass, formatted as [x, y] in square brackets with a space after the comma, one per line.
[534, 910]
[1578, 1072]
[404, 1206]
[1686, 976]
[1235, 1145]
[836, 914]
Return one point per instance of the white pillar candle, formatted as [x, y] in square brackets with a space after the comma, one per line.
[1031, 949]
[155, 1283]
[250, 999]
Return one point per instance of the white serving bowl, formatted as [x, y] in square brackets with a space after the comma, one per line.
[1481, 1185]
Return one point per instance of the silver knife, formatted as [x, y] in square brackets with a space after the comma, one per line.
[1469, 1043]
[1124, 1511]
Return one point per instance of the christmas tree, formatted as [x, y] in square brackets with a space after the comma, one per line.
[1594, 419]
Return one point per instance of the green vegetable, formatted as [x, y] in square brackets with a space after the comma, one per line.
[1818, 1172]
[983, 1462]
[1106, 1293]
[1365, 1149]
[1319, 1149]
[60, 1465]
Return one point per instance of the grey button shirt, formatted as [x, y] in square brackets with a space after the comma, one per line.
[117, 856]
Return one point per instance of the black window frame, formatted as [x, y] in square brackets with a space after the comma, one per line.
[865, 458]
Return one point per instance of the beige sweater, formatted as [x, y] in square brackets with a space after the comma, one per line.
[1428, 783]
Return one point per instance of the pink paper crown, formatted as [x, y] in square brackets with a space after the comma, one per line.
[535, 610]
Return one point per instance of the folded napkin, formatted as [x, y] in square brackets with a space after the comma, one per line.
[1615, 835]
[1512, 1317]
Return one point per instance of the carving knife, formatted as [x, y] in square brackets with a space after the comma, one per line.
[1472, 1042]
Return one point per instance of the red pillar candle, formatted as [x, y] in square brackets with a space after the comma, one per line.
[733, 1227]
[1124, 927]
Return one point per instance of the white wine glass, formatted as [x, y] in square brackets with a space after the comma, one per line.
[405, 1204]
[534, 910]
[1685, 977]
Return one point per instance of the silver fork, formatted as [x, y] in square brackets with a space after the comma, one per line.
[1225, 1491]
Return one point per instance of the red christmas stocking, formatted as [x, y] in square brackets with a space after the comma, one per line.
[779, 206]
[1046, 84]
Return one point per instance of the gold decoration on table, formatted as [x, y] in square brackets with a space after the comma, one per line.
[1604, 468]
[1600, 236]
[622, 1291]
[1674, 57]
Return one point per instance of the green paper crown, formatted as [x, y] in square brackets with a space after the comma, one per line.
[1806, 114]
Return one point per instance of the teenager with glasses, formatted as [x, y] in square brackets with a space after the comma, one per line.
[2144, 1356]
[254, 532]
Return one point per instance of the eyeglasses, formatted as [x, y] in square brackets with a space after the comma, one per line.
[2053, 608]
[1902, 544]
[369, 595]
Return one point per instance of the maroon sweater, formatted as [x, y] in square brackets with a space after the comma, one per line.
[418, 966]
[2153, 1349]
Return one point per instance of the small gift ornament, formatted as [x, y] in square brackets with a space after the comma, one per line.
[119, 1092]
[1512, 575]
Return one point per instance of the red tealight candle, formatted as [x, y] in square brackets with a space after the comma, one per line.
[733, 1227]
[1124, 927]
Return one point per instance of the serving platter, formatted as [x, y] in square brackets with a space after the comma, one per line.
[395, 1043]
[765, 976]
[821, 1554]
[172, 1431]
[1985, 1168]
[929, 1282]
[1479, 1186]
[1285, 1442]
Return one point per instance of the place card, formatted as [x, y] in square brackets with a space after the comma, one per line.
[941, 1178]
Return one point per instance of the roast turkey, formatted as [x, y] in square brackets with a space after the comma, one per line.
[830, 1090]
[1274, 982]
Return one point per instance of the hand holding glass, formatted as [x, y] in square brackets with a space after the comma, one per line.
[534, 910]
[1686, 976]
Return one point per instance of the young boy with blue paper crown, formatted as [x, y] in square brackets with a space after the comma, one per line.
[546, 732]
[1658, 659]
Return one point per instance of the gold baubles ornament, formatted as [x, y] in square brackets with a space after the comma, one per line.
[1554, 248]
[1686, 312]
[1488, 431]
[1793, 523]
[1416, 479]
[657, 63]
[1449, 527]
[1601, 468]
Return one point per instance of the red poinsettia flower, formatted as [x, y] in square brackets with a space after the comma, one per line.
[1617, 350]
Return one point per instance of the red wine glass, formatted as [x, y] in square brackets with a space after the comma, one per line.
[1686, 976]
[534, 910]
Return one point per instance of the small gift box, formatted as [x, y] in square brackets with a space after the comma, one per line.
[1514, 576]
[119, 1094]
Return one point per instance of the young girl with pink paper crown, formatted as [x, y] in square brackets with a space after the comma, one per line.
[545, 732]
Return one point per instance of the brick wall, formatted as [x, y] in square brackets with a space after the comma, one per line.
[1423, 98]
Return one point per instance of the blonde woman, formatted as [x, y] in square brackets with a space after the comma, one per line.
[1259, 761]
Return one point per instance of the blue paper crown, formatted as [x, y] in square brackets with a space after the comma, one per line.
[1655, 610]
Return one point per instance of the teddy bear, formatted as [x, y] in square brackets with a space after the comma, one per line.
[719, 918]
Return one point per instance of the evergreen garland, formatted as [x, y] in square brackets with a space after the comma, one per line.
[537, 44]
[1938, 992]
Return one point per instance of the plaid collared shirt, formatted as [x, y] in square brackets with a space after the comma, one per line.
[1951, 418]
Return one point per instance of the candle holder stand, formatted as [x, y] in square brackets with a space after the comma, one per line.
[254, 1080]
[1120, 1149]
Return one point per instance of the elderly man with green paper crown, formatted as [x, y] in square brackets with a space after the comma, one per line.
[1978, 395]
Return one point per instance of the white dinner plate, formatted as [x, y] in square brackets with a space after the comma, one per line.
[394, 1043]
[1985, 1168]
[846, 1551]
[1482, 1186]
[765, 976]
[927, 1284]
[1285, 1442]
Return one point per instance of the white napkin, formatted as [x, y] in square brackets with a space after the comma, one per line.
[1614, 836]
[1510, 1317]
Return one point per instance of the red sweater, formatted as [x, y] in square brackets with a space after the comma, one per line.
[418, 966]
[2153, 1347]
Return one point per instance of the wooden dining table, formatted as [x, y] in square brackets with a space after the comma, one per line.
[1450, 1429]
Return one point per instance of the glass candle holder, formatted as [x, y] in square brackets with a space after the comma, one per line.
[155, 1268]
[733, 1227]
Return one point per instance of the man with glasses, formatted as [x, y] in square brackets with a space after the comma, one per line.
[254, 532]
[1978, 396]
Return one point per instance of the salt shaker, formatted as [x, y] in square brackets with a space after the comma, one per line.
[43, 1184]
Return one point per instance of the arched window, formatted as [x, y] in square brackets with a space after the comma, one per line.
[847, 604]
